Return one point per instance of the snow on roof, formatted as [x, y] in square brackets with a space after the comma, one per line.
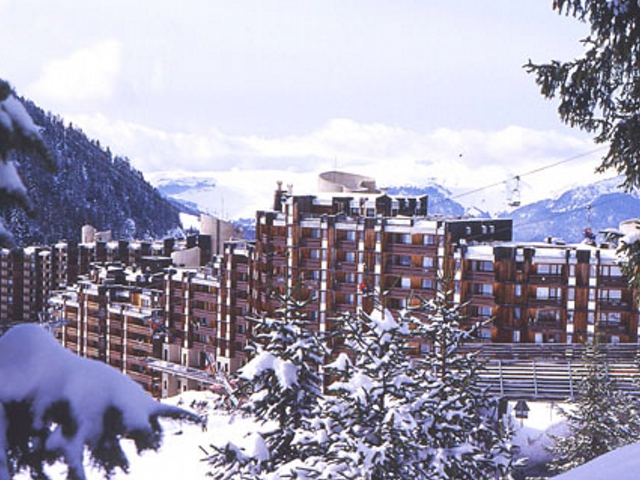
[480, 252]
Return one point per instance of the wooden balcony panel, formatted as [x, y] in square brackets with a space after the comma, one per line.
[481, 277]
[346, 266]
[205, 296]
[614, 305]
[404, 270]
[349, 245]
[311, 242]
[142, 378]
[139, 329]
[346, 288]
[482, 300]
[621, 282]
[547, 280]
[114, 355]
[547, 326]
[615, 329]
[93, 352]
[546, 302]
[208, 314]
[143, 347]
[203, 330]
[309, 263]
[115, 323]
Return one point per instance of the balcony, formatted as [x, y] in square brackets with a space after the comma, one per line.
[309, 263]
[537, 279]
[203, 330]
[143, 330]
[479, 276]
[620, 282]
[311, 242]
[140, 349]
[346, 245]
[547, 324]
[403, 249]
[613, 305]
[346, 266]
[205, 296]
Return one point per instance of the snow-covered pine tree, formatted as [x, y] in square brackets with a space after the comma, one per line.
[283, 385]
[373, 412]
[467, 437]
[18, 134]
[56, 406]
[601, 419]
[396, 417]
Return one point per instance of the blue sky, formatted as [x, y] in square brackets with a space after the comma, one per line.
[400, 89]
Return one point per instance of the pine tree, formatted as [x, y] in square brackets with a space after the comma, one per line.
[469, 439]
[18, 134]
[599, 92]
[602, 418]
[396, 417]
[373, 414]
[283, 385]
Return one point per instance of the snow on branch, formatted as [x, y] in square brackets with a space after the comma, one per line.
[56, 405]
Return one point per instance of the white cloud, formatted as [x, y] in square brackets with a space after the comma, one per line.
[86, 74]
[460, 160]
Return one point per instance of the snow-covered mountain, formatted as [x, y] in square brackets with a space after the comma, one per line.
[597, 206]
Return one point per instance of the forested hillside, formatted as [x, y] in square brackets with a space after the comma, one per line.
[90, 186]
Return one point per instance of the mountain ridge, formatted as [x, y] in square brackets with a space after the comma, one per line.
[565, 216]
[91, 186]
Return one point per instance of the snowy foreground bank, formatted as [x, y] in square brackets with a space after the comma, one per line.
[182, 452]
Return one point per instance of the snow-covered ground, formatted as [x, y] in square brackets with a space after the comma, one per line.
[184, 445]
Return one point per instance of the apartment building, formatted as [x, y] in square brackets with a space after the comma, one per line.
[207, 318]
[110, 317]
[545, 293]
[335, 249]
[126, 302]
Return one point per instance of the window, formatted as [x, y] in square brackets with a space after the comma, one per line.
[481, 311]
[548, 293]
[548, 316]
[483, 289]
[427, 284]
[403, 260]
[609, 319]
[314, 254]
[405, 282]
[350, 236]
[610, 271]
[614, 296]
[429, 240]
[427, 262]
[483, 266]
[404, 238]
[549, 269]
[350, 278]
[350, 257]
[518, 290]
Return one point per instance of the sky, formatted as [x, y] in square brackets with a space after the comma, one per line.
[251, 91]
